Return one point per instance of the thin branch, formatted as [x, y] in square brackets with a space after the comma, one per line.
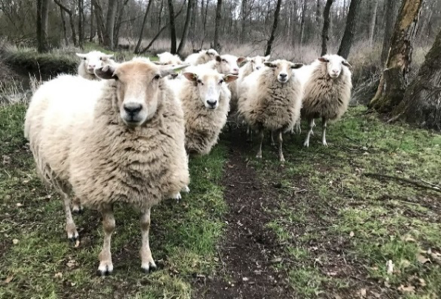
[412, 182]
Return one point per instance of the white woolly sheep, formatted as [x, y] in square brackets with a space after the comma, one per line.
[271, 99]
[167, 58]
[226, 64]
[202, 57]
[111, 141]
[91, 61]
[205, 100]
[327, 91]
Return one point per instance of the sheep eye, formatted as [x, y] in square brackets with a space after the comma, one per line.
[157, 77]
[84, 58]
[223, 60]
[199, 81]
[101, 58]
[252, 61]
[221, 81]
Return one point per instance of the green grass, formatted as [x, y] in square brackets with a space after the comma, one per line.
[38, 261]
[329, 209]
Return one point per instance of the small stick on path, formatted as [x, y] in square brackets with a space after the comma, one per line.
[412, 182]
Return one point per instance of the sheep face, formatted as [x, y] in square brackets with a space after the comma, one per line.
[334, 65]
[228, 64]
[169, 59]
[283, 69]
[137, 88]
[209, 86]
[94, 59]
[257, 62]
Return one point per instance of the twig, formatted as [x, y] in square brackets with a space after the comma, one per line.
[377, 175]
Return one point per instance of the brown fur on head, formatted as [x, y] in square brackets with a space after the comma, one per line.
[283, 69]
[137, 88]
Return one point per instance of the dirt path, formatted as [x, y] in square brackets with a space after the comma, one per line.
[249, 249]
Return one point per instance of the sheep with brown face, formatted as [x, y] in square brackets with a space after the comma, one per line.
[271, 99]
[116, 140]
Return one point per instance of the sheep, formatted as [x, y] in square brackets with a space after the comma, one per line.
[167, 58]
[205, 100]
[327, 91]
[226, 64]
[271, 99]
[202, 57]
[116, 140]
[92, 60]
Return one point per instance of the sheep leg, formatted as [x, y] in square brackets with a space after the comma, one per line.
[249, 134]
[310, 132]
[280, 138]
[105, 257]
[324, 125]
[147, 262]
[259, 152]
[273, 143]
[76, 206]
[71, 229]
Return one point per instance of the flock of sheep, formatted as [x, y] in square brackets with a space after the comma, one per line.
[122, 132]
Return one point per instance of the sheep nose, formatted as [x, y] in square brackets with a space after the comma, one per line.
[235, 71]
[212, 103]
[283, 75]
[257, 68]
[132, 108]
[92, 66]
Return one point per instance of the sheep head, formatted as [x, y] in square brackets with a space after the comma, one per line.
[94, 59]
[137, 88]
[167, 58]
[209, 84]
[283, 69]
[228, 64]
[334, 64]
[257, 62]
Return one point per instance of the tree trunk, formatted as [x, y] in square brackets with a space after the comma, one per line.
[42, 14]
[110, 24]
[216, 44]
[71, 20]
[394, 79]
[63, 23]
[392, 7]
[118, 22]
[302, 23]
[186, 27]
[274, 29]
[348, 36]
[243, 19]
[422, 104]
[138, 44]
[373, 20]
[92, 29]
[80, 23]
[326, 23]
[171, 15]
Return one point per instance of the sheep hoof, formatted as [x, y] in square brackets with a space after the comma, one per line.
[185, 189]
[77, 209]
[105, 269]
[177, 196]
[282, 160]
[325, 143]
[73, 237]
[259, 156]
[149, 267]
[306, 144]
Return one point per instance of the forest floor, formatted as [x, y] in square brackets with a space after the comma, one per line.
[357, 219]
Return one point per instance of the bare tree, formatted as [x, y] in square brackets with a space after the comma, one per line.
[42, 15]
[421, 104]
[348, 36]
[171, 15]
[392, 7]
[216, 44]
[138, 44]
[110, 24]
[302, 23]
[373, 21]
[80, 23]
[326, 23]
[186, 27]
[394, 78]
[71, 20]
[269, 44]
[92, 28]
[243, 19]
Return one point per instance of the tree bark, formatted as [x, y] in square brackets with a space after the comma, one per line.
[394, 78]
[80, 23]
[274, 28]
[42, 14]
[216, 44]
[392, 7]
[171, 15]
[243, 19]
[138, 44]
[186, 27]
[71, 20]
[422, 99]
[326, 23]
[63, 23]
[373, 21]
[348, 36]
[110, 24]
[318, 13]
[118, 22]
[302, 23]
[92, 29]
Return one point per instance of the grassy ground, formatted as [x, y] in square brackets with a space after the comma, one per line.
[345, 227]
[37, 261]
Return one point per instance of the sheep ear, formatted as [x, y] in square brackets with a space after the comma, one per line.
[346, 63]
[230, 78]
[323, 59]
[241, 60]
[81, 55]
[267, 57]
[296, 65]
[218, 58]
[171, 70]
[269, 64]
[191, 76]
[106, 72]
[108, 55]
